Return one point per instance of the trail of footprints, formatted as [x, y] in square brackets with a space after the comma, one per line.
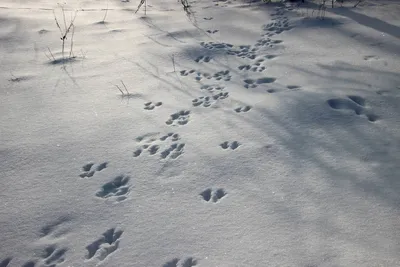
[220, 75]
[168, 146]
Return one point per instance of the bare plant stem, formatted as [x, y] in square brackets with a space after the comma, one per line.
[120, 89]
[359, 1]
[72, 41]
[51, 53]
[105, 15]
[125, 87]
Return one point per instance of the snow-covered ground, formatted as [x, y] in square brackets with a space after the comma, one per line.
[252, 135]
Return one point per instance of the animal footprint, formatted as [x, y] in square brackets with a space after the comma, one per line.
[212, 31]
[352, 102]
[212, 88]
[216, 46]
[277, 27]
[251, 83]
[202, 101]
[234, 145]
[203, 58]
[242, 109]
[105, 245]
[151, 105]
[210, 195]
[117, 189]
[186, 72]
[54, 229]
[220, 75]
[52, 256]
[188, 262]
[173, 152]
[369, 58]
[293, 87]
[167, 144]
[89, 169]
[179, 118]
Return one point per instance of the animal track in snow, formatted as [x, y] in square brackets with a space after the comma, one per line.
[151, 105]
[89, 169]
[188, 262]
[186, 72]
[52, 256]
[216, 46]
[233, 145]
[389, 92]
[352, 102]
[256, 67]
[242, 51]
[203, 59]
[55, 228]
[117, 189]
[370, 58]
[166, 146]
[253, 83]
[220, 75]
[179, 118]
[173, 151]
[212, 88]
[278, 26]
[293, 87]
[105, 245]
[210, 195]
[242, 109]
[212, 31]
[267, 42]
[5, 262]
[207, 101]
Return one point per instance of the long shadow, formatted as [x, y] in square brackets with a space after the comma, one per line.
[364, 20]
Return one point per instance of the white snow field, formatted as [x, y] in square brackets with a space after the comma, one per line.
[249, 134]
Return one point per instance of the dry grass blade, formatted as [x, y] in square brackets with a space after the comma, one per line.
[140, 5]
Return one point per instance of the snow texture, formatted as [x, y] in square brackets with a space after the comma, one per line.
[246, 134]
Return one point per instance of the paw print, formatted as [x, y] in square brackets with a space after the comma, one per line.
[210, 195]
[89, 169]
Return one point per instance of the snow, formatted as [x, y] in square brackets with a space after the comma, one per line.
[229, 147]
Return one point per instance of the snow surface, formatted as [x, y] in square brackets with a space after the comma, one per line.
[272, 137]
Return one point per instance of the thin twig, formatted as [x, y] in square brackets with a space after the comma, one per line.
[116, 85]
[173, 61]
[359, 1]
[72, 41]
[65, 22]
[51, 53]
[105, 15]
[125, 87]
[140, 5]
